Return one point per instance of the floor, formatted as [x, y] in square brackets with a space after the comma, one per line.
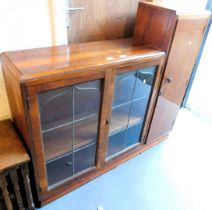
[173, 175]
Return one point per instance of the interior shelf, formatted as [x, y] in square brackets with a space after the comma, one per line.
[128, 114]
[66, 121]
[67, 140]
[117, 123]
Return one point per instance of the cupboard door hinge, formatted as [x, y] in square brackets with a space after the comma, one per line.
[28, 103]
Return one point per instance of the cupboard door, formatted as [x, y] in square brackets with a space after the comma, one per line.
[69, 119]
[131, 97]
[181, 60]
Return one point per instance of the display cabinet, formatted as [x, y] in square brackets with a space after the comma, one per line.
[82, 109]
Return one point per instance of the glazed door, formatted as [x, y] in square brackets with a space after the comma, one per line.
[69, 120]
[129, 107]
[184, 50]
[100, 19]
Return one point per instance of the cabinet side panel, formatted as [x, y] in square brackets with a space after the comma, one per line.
[15, 101]
[155, 26]
[182, 57]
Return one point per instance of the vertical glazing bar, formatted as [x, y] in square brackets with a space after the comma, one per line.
[73, 134]
[130, 110]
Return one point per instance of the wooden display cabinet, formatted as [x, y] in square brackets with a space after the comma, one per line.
[82, 109]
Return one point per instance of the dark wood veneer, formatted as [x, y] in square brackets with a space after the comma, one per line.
[30, 72]
[179, 34]
[38, 70]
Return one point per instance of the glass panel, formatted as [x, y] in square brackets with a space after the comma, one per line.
[138, 110]
[57, 141]
[69, 123]
[55, 107]
[133, 135]
[145, 79]
[85, 132]
[84, 158]
[116, 143]
[86, 99]
[124, 88]
[86, 110]
[131, 97]
[59, 169]
[120, 116]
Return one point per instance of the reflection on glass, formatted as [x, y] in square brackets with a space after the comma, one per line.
[131, 98]
[116, 142]
[69, 122]
[120, 117]
[124, 82]
[59, 169]
[55, 106]
[84, 158]
[86, 99]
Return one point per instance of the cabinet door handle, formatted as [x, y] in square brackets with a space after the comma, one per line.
[68, 163]
[167, 80]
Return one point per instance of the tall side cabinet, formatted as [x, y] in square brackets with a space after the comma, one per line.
[179, 34]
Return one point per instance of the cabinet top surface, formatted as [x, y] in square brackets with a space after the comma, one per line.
[12, 152]
[62, 59]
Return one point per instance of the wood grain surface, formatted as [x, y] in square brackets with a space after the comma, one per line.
[4, 106]
[40, 63]
[12, 152]
[101, 20]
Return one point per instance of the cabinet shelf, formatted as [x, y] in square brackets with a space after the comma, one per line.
[117, 127]
[129, 102]
[78, 148]
[64, 148]
[67, 121]
[67, 140]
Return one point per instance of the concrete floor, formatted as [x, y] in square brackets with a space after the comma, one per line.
[173, 175]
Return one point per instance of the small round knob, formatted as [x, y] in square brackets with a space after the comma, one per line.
[69, 163]
[169, 79]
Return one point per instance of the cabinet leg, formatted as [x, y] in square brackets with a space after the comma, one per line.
[14, 178]
[5, 193]
[25, 175]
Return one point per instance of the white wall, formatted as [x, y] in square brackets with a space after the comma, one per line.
[187, 4]
[29, 24]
